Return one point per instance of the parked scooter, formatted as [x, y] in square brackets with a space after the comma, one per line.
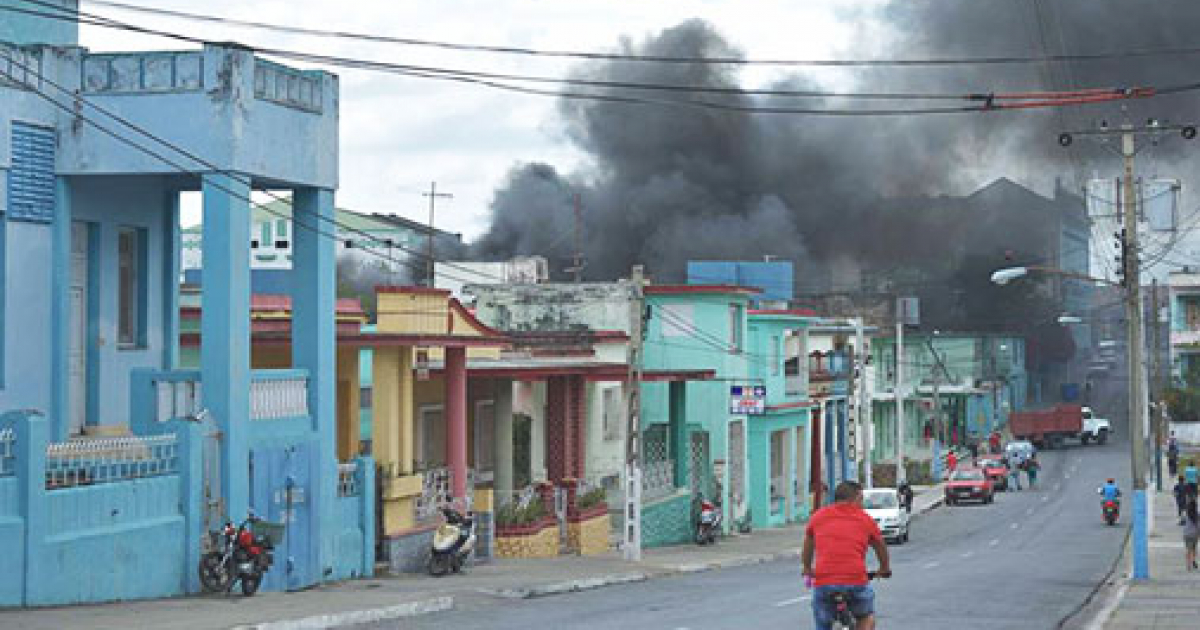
[240, 554]
[708, 521]
[452, 543]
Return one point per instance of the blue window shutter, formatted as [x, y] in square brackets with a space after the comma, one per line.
[31, 179]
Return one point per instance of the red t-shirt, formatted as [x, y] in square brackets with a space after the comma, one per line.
[842, 532]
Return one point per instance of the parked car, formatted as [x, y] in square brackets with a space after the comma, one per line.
[883, 504]
[994, 467]
[969, 484]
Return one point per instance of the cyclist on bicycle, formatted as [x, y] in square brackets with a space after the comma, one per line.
[839, 535]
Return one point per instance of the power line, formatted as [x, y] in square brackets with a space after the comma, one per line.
[984, 102]
[524, 51]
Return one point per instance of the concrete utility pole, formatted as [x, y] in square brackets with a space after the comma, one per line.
[632, 539]
[865, 426]
[433, 195]
[578, 262]
[1156, 385]
[901, 475]
[1135, 334]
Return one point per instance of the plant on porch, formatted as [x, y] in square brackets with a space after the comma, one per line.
[588, 526]
[526, 529]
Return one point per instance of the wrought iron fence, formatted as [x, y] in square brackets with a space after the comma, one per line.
[658, 479]
[437, 491]
[348, 485]
[109, 460]
[8, 459]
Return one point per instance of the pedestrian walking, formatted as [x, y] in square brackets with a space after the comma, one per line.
[974, 446]
[1173, 454]
[951, 461]
[1031, 468]
[1192, 476]
[1191, 532]
[1014, 472]
[906, 495]
[1181, 497]
[994, 441]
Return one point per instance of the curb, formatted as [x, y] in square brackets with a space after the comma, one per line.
[354, 617]
[569, 586]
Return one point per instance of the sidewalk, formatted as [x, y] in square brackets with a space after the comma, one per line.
[362, 601]
[1171, 597]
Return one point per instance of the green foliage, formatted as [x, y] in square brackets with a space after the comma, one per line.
[512, 514]
[591, 499]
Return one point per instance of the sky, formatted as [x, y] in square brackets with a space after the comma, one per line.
[400, 134]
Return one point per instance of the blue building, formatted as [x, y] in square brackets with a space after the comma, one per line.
[774, 279]
[107, 480]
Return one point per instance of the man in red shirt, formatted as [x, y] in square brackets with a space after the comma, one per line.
[839, 534]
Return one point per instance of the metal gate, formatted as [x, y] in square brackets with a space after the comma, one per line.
[281, 493]
[699, 473]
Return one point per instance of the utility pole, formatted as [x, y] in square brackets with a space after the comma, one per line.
[901, 475]
[1135, 334]
[632, 538]
[433, 195]
[865, 426]
[1156, 385]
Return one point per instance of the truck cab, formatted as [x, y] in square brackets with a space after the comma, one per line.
[1094, 428]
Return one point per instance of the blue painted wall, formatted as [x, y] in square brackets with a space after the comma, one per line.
[21, 28]
[774, 278]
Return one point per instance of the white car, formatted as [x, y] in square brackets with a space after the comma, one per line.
[1094, 429]
[883, 505]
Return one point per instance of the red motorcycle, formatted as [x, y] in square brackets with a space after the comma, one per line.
[239, 554]
[1112, 511]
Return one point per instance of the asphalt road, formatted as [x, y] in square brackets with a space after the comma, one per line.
[1026, 561]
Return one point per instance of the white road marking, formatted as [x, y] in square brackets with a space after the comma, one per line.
[1014, 525]
[794, 600]
[1044, 499]
[931, 565]
[995, 541]
[968, 554]
[1029, 511]
[1067, 476]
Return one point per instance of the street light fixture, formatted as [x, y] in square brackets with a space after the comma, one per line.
[1004, 276]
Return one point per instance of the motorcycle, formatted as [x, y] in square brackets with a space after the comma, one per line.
[843, 616]
[452, 543]
[708, 522]
[239, 554]
[1112, 511]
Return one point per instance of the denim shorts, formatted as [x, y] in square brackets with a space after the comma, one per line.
[862, 603]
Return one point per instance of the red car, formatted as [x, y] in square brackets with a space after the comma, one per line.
[969, 484]
[996, 470]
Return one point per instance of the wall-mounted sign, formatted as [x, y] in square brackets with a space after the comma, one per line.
[748, 400]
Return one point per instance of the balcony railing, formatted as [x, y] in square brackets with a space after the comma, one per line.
[1185, 337]
[19, 66]
[8, 458]
[348, 485]
[278, 394]
[123, 73]
[287, 86]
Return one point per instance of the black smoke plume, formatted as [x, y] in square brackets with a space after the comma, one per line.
[867, 195]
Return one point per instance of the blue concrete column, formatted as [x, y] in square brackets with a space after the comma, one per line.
[1141, 554]
[173, 246]
[314, 296]
[31, 435]
[60, 402]
[677, 416]
[191, 495]
[790, 475]
[366, 498]
[225, 329]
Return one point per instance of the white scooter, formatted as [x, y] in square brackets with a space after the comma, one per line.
[452, 543]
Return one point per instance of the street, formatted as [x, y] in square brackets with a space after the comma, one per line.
[1026, 561]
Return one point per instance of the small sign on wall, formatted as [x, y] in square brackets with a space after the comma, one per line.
[750, 400]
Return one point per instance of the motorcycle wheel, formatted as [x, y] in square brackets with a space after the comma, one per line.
[214, 575]
[250, 584]
[702, 537]
[439, 564]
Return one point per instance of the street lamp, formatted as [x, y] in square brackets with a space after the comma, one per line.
[1004, 276]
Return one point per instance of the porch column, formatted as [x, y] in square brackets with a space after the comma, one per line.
[677, 417]
[225, 328]
[170, 284]
[558, 439]
[60, 361]
[814, 463]
[577, 434]
[503, 438]
[790, 471]
[456, 419]
[392, 438]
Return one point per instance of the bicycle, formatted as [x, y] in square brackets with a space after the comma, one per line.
[843, 616]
